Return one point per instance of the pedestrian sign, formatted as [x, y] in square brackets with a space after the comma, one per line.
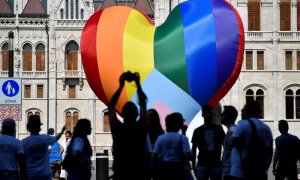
[10, 92]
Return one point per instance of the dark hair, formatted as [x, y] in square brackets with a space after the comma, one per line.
[283, 126]
[252, 109]
[129, 112]
[50, 131]
[231, 112]
[174, 122]
[68, 132]
[207, 107]
[8, 127]
[155, 128]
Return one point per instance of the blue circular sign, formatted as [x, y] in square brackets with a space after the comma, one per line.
[10, 88]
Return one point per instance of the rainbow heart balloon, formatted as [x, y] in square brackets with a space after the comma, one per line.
[192, 59]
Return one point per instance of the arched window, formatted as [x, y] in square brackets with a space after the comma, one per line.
[254, 15]
[27, 57]
[81, 13]
[61, 14]
[257, 96]
[285, 15]
[298, 104]
[72, 56]
[71, 120]
[29, 114]
[289, 104]
[40, 57]
[5, 57]
[77, 9]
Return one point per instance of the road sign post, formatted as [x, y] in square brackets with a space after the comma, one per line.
[10, 98]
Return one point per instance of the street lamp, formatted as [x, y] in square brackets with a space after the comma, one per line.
[11, 54]
[47, 32]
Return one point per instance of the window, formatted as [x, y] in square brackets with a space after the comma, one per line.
[40, 57]
[257, 96]
[67, 9]
[249, 60]
[61, 13]
[77, 9]
[292, 104]
[72, 55]
[254, 15]
[285, 15]
[27, 91]
[288, 60]
[72, 91]
[5, 57]
[298, 15]
[27, 57]
[71, 120]
[298, 60]
[81, 13]
[72, 9]
[29, 114]
[106, 126]
[39, 91]
[260, 60]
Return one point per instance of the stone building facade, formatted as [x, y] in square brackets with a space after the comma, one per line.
[47, 58]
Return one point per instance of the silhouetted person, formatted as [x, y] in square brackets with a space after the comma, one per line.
[228, 118]
[208, 139]
[241, 140]
[36, 150]
[129, 138]
[64, 144]
[12, 156]
[79, 152]
[286, 154]
[173, 149]
[55, 156]
[155, 128]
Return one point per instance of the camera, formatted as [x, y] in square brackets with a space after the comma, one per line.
[130, 76]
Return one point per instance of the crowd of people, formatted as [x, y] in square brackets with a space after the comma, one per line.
[143, 150]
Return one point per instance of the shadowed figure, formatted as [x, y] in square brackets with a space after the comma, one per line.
[12, 156]
[208, 140]
[79, 152]
[155, 128]
[172, 150]
[286, 153]
[36, 149]
[130, 147]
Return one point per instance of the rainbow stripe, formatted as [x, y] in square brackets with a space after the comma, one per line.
[192, 59]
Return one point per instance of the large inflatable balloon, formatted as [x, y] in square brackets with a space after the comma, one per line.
[192, 59]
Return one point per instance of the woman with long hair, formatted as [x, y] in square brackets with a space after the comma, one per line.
[78, 159]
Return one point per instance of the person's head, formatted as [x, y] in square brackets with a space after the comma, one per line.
[229, 115]
[34, 124]
[207, 113]
[129, 112]
[153, 118]
[251, 109]
[82, 128]
[9, 127]
[174, 122]
[283, 126]
[68, 135]
[50, 131]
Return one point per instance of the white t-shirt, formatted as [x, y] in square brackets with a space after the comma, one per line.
[10, 147]
[37, 154]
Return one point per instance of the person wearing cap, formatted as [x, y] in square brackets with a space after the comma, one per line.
[36, 150]
[12, 156]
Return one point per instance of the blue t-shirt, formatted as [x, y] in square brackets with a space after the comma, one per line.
[10, 147]
[55, 154]
[37, 155]
[171, 146]
[243, 131]
[78, 145]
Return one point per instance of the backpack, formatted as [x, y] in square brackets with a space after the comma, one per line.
[255, 162]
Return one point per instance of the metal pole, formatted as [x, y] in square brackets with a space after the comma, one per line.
[47, 32]
[11, 54]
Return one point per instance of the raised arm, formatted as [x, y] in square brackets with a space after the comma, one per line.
[142, 99]
[57, 137]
